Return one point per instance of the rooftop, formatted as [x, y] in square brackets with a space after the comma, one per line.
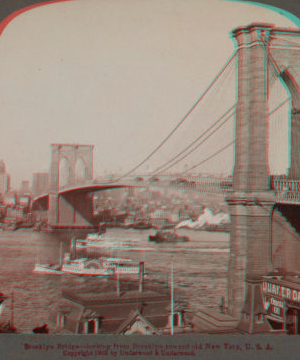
[88, 298]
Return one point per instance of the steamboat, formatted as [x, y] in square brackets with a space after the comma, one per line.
[167, 236]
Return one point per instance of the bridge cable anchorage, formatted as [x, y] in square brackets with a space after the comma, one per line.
[182, 120]
[201, 143]
[192, 143]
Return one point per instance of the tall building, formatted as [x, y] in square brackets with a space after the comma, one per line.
[4, 179]
[40, 183]
[24, 189]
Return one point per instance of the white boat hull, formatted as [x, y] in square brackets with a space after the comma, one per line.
[41, 268]
[90, 272]
[132, 270]
[44, 268]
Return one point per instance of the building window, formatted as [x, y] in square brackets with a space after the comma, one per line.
[175, 319]
[58, 320]
[259, 318]
[246, 317]
[62, 321]
[91, 327]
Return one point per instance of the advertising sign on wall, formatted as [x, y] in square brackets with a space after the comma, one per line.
[281, 291]
[274, 308]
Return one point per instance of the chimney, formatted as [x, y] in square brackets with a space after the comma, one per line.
[141, 276]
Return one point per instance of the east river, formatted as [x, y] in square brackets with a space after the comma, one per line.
[200, 270]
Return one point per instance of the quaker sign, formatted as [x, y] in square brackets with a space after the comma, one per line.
[281, 291]
[274, 308]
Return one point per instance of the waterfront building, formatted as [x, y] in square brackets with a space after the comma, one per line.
[155, 195]
[126, 313]
[9, 199]
[197, 210]
[2, 212]
[160, 217]
[4, 179]
[130, 192]
[16, 212]
[129, 219]
[135, 310]
[281, 301]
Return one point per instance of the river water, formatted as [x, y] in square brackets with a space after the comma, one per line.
[200, 270]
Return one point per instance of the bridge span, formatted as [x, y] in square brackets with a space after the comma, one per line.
[261, 50]
[72, 207]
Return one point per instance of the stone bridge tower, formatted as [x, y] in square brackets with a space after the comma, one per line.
[71, 154]
[259, 47]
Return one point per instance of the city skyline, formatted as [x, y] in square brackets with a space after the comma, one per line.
[88, 76]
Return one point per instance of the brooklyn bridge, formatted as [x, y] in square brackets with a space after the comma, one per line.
[263, 208]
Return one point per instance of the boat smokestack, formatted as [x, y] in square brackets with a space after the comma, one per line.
[118, 283]
[60, 255]
[73, 248]
[141, 276]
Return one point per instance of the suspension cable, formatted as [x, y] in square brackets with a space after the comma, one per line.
[279, 106]
[208, 158]
[271, 59]
[182, 120]
[202, 142]
[277, 71]
[269, 114]
[231, 143]
[284, 40]
[194, 141]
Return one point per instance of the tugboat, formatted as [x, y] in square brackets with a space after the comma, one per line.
[167, 236]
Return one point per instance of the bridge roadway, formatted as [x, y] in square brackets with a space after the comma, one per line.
[286, 191]
[74, 204]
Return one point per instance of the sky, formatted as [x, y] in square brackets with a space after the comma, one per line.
[120, 75]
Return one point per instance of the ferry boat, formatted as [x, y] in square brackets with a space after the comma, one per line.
[84, 266]
[76, 267]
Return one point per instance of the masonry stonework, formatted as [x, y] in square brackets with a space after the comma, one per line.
[261, 48]
[71, 153]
